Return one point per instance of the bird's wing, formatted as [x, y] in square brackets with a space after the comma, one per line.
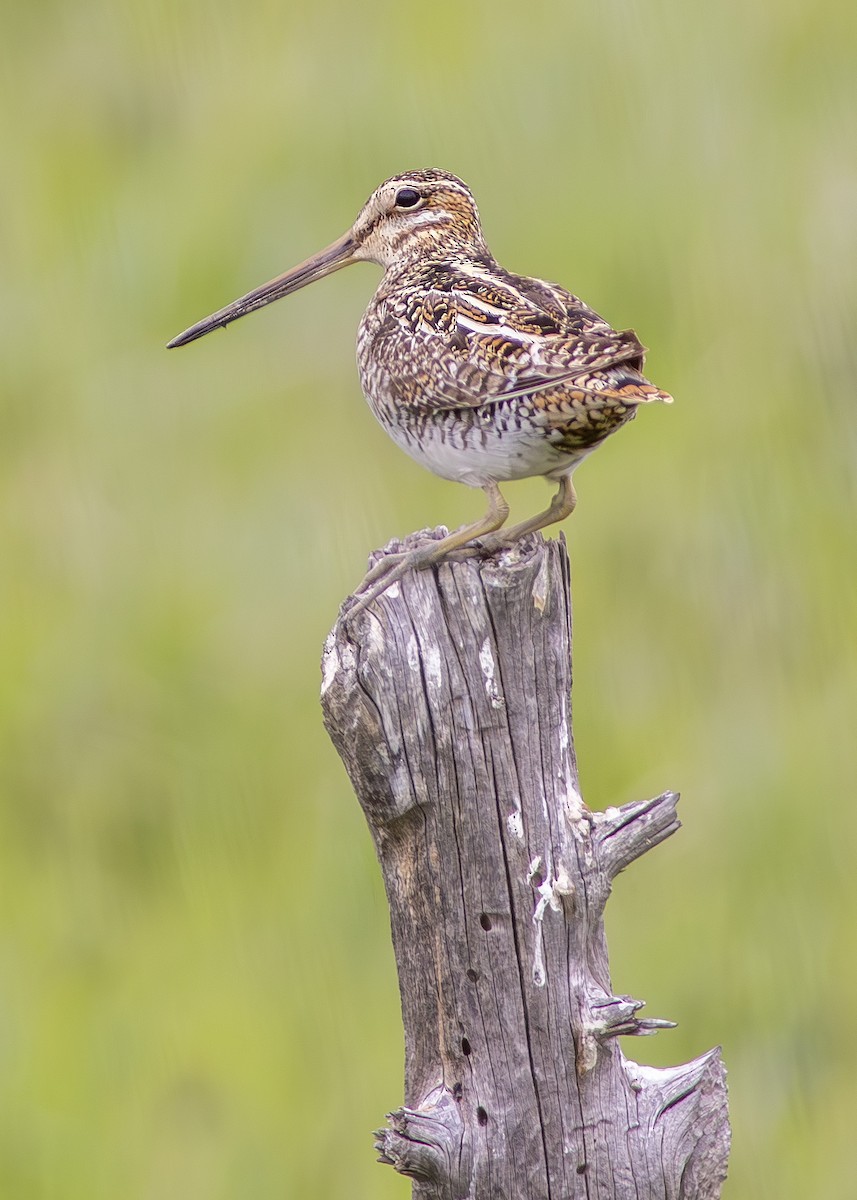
[480, 340]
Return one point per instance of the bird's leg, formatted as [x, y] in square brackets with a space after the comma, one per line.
[560, 507]
[392, 567]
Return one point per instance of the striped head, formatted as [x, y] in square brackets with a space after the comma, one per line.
[419, 214]
[415, 215]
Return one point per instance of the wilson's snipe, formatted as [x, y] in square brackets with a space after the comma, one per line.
[479, 374]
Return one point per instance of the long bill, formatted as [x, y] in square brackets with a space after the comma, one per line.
[338, 254]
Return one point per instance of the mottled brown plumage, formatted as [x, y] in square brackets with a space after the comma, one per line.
[479, 374]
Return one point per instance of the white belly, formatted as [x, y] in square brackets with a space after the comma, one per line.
[476, 448]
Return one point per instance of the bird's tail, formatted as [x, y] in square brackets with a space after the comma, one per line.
[633, 392]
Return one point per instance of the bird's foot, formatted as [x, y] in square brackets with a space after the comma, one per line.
[497, 543]
[392, 567]
[389, 570]
[492, 543]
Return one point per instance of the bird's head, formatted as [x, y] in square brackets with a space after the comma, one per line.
[419, 214]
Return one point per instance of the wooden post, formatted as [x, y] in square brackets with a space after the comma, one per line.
[449, 703]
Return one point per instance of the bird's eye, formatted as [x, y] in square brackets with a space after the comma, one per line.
[407, 197]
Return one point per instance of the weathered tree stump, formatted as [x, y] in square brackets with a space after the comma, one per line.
[449, 702]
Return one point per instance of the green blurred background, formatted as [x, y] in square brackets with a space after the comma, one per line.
[197, 994]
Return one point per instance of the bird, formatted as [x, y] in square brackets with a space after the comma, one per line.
[479, 374]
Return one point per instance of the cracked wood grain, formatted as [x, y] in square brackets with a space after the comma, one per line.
[449, 703]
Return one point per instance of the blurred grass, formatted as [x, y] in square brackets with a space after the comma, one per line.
[197, 996]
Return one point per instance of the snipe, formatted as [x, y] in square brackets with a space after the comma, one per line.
[479, 374]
